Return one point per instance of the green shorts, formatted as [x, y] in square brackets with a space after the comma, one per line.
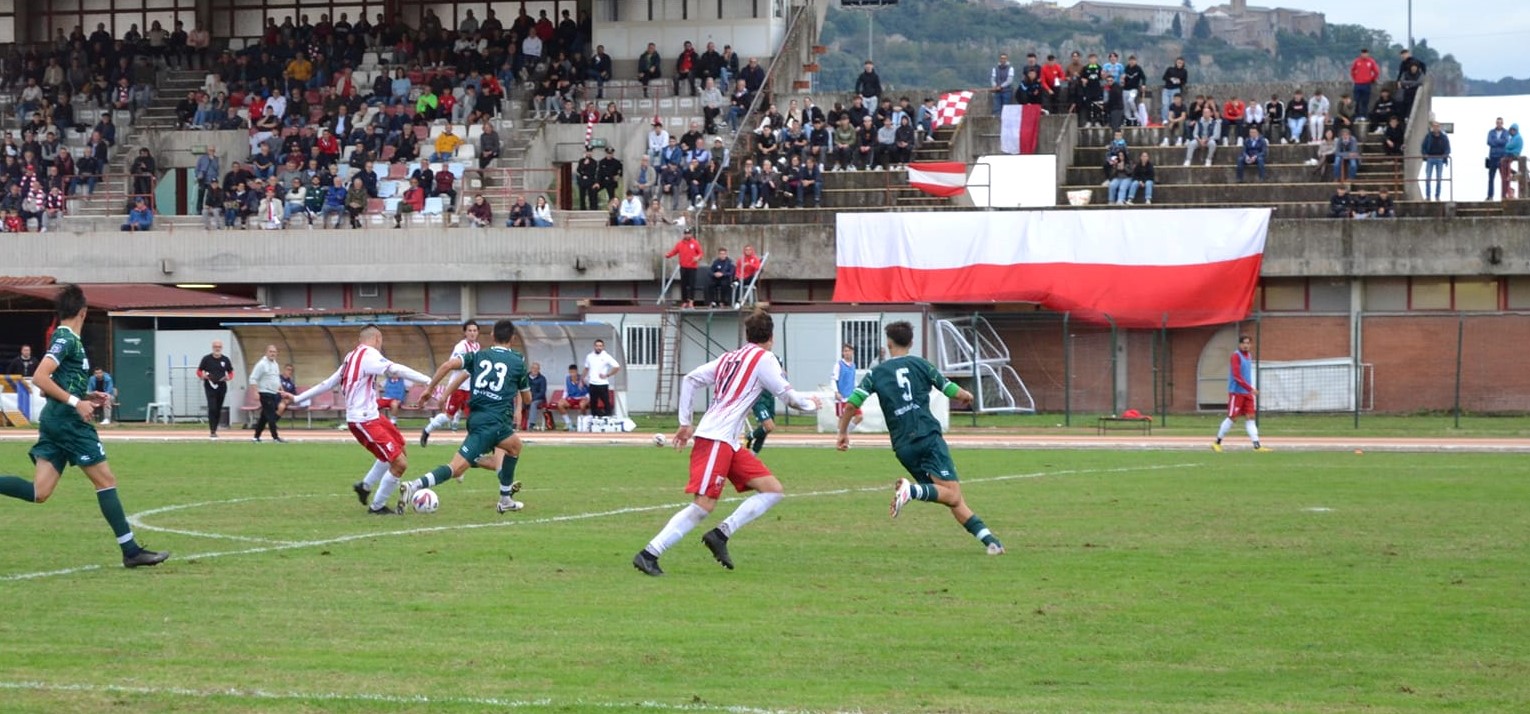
[927, 459]
[62, 441]
[485, 431]
[762, 412]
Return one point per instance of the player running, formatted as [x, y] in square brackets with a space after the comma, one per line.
[736, 378]
[499, 387]
[65, 435]
[1240, 394]
[902, 383]
[357, 379]
[458, 400]
[764, 413]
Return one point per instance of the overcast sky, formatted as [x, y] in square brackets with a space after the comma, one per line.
[1480, 33]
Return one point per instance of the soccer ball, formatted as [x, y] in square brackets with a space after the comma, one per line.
[425, 501]
[658, 440]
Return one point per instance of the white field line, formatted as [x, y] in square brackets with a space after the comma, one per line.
[294, 545]
[136, 520]
[480, 702]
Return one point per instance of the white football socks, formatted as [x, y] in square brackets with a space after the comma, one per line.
[379, 468]
[384, 491]
[752, 508]
[1253, 431]
[436, 422]
[689, 517]
[1226, 424]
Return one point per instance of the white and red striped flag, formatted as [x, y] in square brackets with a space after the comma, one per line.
[950, 109]
[1137, 269]
[939, 178]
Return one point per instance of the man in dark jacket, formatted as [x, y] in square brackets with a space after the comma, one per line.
[587, 175]
[722, 272]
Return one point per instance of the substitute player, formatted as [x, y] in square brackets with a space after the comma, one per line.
[458, 400]
[357, 379]
[736, 379]
[499, 387]
[65, 435]
[844, 383]
[1240, 394]
[903, 383]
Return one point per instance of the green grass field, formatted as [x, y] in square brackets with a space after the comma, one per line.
[1135, 582]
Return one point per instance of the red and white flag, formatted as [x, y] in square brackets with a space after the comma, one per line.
[1138, 269]
[950, 109]
[939, 178]
[1020, 128]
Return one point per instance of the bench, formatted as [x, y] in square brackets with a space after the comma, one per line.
[1112, 423]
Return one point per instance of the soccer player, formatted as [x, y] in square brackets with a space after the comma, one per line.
[576, 397]
[499, 387]
[903, 383]
[65, 435]
[736, 379]
[764, 411]
[1240, 394]
[393, 392]
[454, 404]
[844, 383]
[357, 379]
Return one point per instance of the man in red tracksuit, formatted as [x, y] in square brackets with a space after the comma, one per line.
[689, 251]
[1364, 71]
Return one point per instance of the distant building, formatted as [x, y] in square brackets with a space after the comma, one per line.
[1236, 23]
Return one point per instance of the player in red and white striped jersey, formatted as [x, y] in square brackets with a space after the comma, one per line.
[357, 379]
[736, 379]
[456, 402]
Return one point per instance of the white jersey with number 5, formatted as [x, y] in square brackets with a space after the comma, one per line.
[737, 378]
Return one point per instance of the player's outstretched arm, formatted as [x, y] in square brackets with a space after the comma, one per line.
[400, 370]
[699, 378]
[319, 388]
[446, 368]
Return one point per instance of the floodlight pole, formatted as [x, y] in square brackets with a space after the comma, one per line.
[1410, 25]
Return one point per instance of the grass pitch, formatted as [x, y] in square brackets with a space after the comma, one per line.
[1135, 582]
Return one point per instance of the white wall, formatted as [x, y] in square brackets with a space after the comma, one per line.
[186, 347]
[1473, 117]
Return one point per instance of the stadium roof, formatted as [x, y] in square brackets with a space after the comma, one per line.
[124, 296]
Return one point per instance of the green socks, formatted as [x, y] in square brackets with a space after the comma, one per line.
[974, 525]
[758, 436]
[507, 474]
[111, 509]
[923, 492]
[17, 487]
[438, 475]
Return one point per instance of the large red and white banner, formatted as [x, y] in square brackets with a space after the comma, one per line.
[1020, 128]
[1174, 268]
[939, 178]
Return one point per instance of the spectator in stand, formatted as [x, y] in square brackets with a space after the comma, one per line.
[1176, 125]
[721, 283]
[1497, 139]
[1296, 117]
[609, 175]
[1232, 120]
[1133, 80]
[1143, 175]
[488, 145]
[1339, 205]
[1253, 118]
[1344, 115]
[1361, 206]
[685, 68]
[1118, 179]
[587, 176]
[1255, 151]
[1410, 75]
[520, 213]
[541, 213]
[1510, 160]
[141, 218]
[748, 185]
[1317, 114]
[334, 203]
[868, 86]
[1203, 135]
[1114, 102]
[1325, 150]
[144, 172]
[1436, 151]
[356, 202]
[54, 207]
[1392, 142]
[413, 201]
[738, 106]
[865, 144]
[649, 67]
[711, 104]
[748, 268]
[688, 252]
[444, 186]
[644, 179]
[1346, 156]
[1382, 113]
[599, 70]
[1175, 80]
[446, 145]
[1275, 119]
[1001, 83]
[631, 211]
[270, 210]
[480, 213]
[1364, 72]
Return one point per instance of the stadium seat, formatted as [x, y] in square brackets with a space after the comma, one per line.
[390, 205]
[387, 189]
[421, 132]
[436, 130]
[434, 206]
[381, 170]
[374, 205]
[457, 169]
[398, 171]
[251, 405]
[388, 152]
[474, 132]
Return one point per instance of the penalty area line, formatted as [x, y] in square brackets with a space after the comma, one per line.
[295, 545]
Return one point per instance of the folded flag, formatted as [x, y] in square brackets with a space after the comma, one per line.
[939, 178]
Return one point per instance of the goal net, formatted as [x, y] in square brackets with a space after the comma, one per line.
[1317, 385]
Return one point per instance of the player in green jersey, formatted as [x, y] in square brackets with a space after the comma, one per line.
[64, 432]
[764, 412]
[500, 387]
[902, 383]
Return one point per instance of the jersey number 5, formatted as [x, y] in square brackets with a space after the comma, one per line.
[487, 368]
[908, 387]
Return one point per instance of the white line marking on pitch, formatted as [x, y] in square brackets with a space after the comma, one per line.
[293, 545]
[1318, 509]
[487, 702]
[136, 520]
